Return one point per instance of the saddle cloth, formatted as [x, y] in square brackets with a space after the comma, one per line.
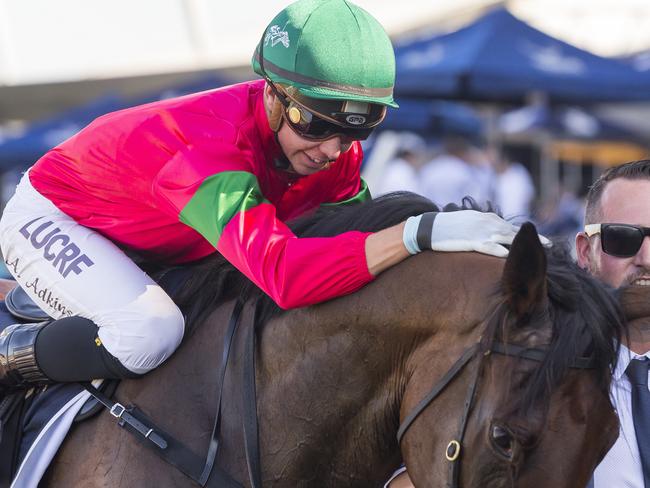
[48, 417]
[55, 407]
[46, 423]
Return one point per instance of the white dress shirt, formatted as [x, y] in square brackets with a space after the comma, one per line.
[621, 467]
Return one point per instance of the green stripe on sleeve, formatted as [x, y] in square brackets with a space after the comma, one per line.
[362, 196]
[219, 198]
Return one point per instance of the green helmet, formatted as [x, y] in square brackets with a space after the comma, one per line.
[328, 49]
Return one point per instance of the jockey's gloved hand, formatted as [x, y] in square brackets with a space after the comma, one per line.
[463, 230]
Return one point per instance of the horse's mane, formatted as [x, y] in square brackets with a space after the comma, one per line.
[572, 292]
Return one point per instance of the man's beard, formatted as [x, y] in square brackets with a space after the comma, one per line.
[635, 276]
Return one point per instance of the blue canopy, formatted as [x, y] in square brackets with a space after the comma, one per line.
[434, 118]
[565, 123]
[500, 58]
[42, 135]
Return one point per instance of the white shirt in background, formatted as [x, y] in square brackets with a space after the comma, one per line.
[399, 175]
[621, 467]
[514, 192]
[448, 179]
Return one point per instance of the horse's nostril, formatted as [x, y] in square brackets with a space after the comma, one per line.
[502, 440]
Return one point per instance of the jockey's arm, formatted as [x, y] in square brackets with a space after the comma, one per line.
[385, 249]
[463, 230]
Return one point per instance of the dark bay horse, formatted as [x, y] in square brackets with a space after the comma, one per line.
[335, 381]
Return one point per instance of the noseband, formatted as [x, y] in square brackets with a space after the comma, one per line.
[453, 450]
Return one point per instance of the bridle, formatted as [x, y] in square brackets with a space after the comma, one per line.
[477, 350]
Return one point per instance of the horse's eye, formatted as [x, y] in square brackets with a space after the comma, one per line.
[502, 440]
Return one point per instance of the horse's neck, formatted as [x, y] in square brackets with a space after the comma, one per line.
[332, 377]
[328, 392]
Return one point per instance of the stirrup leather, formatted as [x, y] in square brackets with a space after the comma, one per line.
[18, 366]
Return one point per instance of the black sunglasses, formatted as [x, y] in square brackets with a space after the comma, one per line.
[620, 240]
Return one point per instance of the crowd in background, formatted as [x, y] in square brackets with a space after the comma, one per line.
[457, 166]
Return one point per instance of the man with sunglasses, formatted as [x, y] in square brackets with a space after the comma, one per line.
[614, 247]
[219, 171]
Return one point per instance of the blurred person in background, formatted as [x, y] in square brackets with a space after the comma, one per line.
[403, 172]
[219, 171]
[615, 248]
[514, 191]
[460, 170]
[563, 215]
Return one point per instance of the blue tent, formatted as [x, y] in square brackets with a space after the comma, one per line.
[500, 58]
[639, 61]
[434, 118]
[201, 83]
[565, 123]
[42, 135]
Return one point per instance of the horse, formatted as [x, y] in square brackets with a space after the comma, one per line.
[527, 405]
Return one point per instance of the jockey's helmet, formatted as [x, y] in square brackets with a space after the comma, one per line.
[332, 58]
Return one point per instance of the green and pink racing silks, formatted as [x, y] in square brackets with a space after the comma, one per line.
[176, 179]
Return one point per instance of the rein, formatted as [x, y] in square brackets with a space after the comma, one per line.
[452, 453]
[175, 452]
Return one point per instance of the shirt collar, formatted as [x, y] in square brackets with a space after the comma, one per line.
[625, 355]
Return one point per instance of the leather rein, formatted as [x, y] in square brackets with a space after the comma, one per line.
[453, 450]
[203, 471]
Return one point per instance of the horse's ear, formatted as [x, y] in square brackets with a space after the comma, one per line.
[524, 275]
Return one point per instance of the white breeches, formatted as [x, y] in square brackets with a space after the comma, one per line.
[69, 269]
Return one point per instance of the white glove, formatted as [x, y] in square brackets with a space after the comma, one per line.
[463, 230]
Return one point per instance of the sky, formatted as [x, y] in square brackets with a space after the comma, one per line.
[45, 41]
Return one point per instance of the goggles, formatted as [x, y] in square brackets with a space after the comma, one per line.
[318, 120]
[620, 240]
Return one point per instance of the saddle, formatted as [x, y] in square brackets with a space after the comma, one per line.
[18, 307]
[22, 307]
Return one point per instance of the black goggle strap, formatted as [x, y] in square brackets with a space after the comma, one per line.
[315, 125]
[340, 114]
[294, 111]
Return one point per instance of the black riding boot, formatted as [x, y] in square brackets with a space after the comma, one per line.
[64, 350]
[18, 366]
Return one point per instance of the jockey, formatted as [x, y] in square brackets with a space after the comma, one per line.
[219, 171]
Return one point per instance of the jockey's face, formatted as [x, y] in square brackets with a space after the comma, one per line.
[623, 201]
[306, 156]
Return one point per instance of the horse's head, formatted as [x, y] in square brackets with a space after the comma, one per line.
[527, 404]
